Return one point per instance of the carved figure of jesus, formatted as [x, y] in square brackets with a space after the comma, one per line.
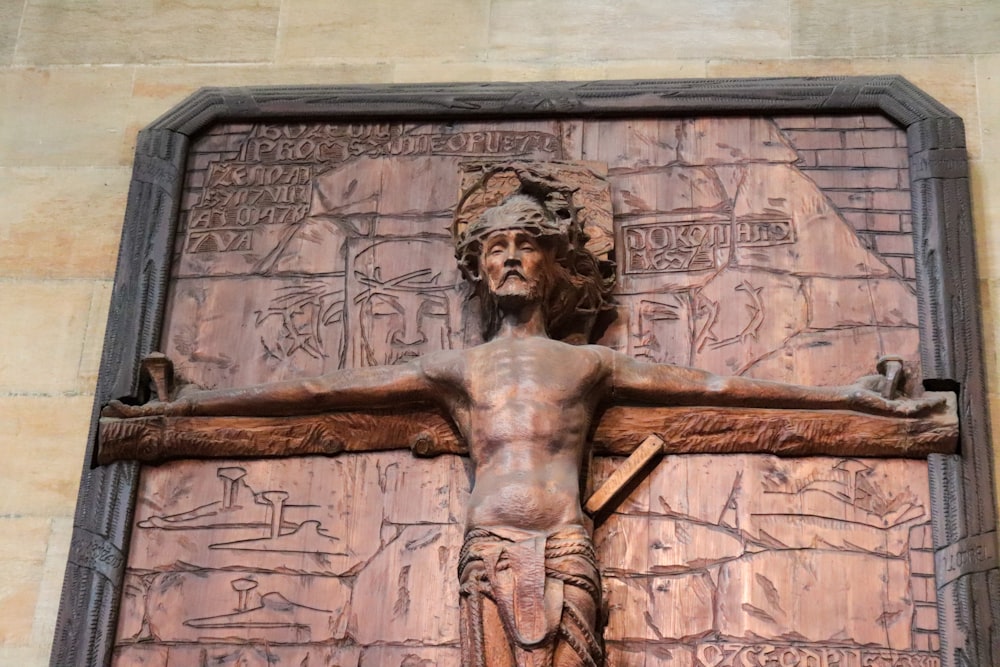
[524, 403]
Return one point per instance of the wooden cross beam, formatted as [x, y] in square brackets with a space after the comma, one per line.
[619, 431]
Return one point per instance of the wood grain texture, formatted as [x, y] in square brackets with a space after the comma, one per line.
[621, 429]
[963, 499]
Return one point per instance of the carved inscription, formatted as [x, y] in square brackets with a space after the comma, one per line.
[339, 143]
[239, 197]
[96, 553]
[768, 655]
[667, 247]
[974, 554]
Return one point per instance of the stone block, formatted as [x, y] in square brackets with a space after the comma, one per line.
[23, 541]
[875, 139]
[921, 538]
[825, 139]
[93, 341]
[10, 21]
[314, 30]
[985, 185]
[67, 117]
[50, 436]
[61, 223]
[831, 28]
[987, 86]
[893, 158]
[43, 327]
[845, 179]
[850, 199]
[892, 200]
[105, 31]
[25, 656]
[925, 617]
[50, 587]
[923, 589]
[885, 222]
[592, 30]
[894, 244]
[909, 270]
[433, 70]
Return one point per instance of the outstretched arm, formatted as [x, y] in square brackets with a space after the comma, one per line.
[380, 386]
[664, 384]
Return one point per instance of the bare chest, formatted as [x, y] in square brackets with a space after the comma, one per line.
[531, 374]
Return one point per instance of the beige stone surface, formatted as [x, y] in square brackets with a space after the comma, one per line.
[63, 117]
[988, 89]
[10, 22]
[989, 297]
[50, 587]
[25, 655]
[433, 70]
[52, 433]
[316, 29]
[635, 29]
[93, 341]
[22, 551]
[882, 27]
[43, 328]
[147, 31]
[985, 186]
[61, 223]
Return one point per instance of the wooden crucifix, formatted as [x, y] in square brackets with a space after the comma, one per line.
[526, 406]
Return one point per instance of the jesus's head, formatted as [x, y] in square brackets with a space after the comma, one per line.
[531, 250]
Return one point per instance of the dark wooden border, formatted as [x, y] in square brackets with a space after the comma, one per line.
[963, 504]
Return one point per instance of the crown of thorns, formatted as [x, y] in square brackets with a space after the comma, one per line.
[541, 206]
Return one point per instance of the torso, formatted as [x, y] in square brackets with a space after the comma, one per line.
[524, 406]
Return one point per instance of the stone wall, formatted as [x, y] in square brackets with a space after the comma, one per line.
[77, 81]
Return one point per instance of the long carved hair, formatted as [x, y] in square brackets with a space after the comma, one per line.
[576, 287]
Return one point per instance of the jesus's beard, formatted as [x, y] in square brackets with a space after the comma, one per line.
[515, 291]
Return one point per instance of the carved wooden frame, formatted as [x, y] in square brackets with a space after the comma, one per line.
[962, 490]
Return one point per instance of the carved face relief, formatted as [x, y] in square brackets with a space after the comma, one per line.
[513, 263]
[404, 305]
[404, 328]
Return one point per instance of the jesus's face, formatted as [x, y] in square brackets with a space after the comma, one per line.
[513, 263]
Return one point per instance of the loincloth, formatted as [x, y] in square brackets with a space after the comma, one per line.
[525, 574]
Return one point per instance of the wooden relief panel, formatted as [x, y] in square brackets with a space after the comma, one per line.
[775, 248]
